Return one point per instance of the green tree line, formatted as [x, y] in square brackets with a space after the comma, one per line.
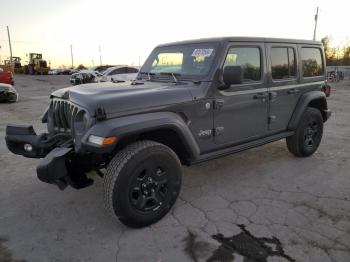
[336, 56]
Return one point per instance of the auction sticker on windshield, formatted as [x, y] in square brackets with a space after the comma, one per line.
[202, 52]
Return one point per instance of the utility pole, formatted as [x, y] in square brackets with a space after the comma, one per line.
[71, 54]
[99, 50]
[316, 18]
[8, 33]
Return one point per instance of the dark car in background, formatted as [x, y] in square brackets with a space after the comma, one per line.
[8, 93]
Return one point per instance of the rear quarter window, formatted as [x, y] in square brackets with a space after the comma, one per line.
[283, 63]
[312, 63]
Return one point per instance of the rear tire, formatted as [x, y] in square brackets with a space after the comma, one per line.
[308, 135]
[142, 183]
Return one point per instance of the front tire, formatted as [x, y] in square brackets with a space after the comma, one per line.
[142, 183]
[308, 135]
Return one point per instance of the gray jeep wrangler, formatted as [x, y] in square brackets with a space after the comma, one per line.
[192, 101]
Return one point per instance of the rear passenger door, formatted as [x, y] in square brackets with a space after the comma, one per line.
[283, 79]
[240, 112]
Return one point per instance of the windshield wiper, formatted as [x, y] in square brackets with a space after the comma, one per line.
[174, 75]
[149, 74]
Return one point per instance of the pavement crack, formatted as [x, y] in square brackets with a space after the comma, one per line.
[118, 245]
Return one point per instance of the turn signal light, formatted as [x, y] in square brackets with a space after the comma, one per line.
[109, 140]
[102, 141]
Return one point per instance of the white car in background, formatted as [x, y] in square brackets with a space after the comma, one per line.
[53, 72]
[119, 74]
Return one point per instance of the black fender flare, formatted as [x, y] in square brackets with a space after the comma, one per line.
[303, 103]
[137, 124]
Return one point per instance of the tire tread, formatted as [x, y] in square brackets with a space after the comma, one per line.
[117, 164]
[293, 142]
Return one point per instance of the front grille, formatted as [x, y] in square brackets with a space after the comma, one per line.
[62, 115]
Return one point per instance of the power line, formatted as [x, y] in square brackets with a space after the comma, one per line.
[20, 41]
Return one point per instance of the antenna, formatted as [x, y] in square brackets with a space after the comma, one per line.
[71, 54]
[99, 50]
[316, 18]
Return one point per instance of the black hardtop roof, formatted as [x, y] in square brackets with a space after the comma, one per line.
[244, 39]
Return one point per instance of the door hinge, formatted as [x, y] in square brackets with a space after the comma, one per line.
[218, 104]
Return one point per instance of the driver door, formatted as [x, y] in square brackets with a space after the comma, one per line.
[241, 111]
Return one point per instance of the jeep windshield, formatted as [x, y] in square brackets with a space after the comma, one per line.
[187, 61]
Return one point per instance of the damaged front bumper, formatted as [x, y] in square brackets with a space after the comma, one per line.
[58, 166]
[22, 140]
[52, 169]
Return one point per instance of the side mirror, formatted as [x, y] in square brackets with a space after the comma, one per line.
[232, 75]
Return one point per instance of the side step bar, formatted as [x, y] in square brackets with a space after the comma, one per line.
[242, 147]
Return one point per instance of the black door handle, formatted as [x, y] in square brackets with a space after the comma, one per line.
[293, 91]
[272, 95]
[259, 96]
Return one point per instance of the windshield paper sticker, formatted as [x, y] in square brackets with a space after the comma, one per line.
[202, 52]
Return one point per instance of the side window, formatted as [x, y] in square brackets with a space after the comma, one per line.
[113, 72]
[312, 63]
[283, 64]
[132, 70]
[248, 58]
[118, 71]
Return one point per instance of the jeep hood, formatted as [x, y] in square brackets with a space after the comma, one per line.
[121, 98]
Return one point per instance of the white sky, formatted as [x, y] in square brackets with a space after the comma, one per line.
[129, 29]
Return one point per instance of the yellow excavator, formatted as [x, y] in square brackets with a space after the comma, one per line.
[13, 66]
[36, 65]
[16, 65]
[7, 66]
